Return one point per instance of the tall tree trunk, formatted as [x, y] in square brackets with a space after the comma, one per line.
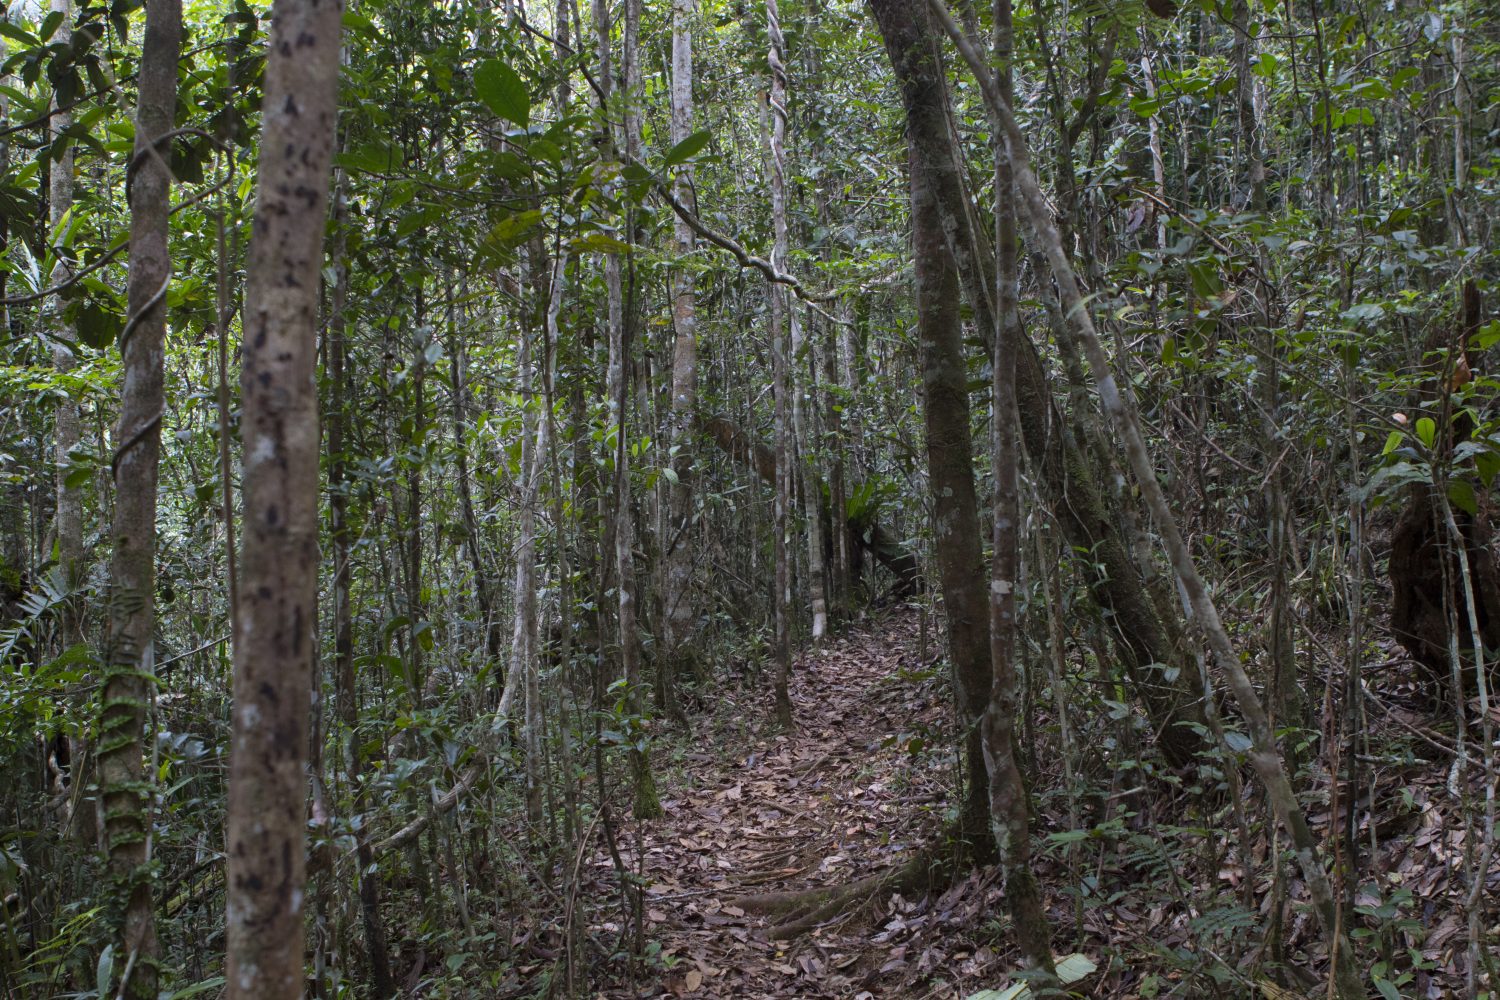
[67, 430]
[618, 396]
[1009, 819]
[679, 552]
[1264, 755]
[130, 654]
[273, 649]
[797, 367]
[376, 953]
[67, 427]
[1144, 635]
[782, 503]
[914, 55]
[524, 659]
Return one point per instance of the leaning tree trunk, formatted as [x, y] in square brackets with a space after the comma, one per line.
[956, 531]
[273, 648]
[1264, 755]
[129, 654]
[1144, 635]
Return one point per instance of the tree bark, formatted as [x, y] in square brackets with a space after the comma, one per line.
[1264, 755]
[680, 610]
[646, 802]
[130, 655]
[956, 533]
[273, 650]
[376, 952]
[800, 445]
[1009, 819]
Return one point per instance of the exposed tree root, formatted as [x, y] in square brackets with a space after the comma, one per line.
[801, 910]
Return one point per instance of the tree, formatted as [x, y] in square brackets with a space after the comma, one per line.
[129, 676]
[945, 413]
[273, 649]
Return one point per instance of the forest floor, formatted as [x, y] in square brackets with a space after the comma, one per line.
[1164, 905]
[862, 782]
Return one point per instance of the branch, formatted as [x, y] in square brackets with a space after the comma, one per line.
[440, 806]
[745, 257]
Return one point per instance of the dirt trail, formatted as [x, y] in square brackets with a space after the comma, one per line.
[850, 793]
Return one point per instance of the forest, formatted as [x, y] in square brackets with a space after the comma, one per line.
[749, 498]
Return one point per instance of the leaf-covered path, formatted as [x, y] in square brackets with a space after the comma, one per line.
[750, 810]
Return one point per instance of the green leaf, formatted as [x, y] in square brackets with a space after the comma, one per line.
[503, 91]
[1075, 967]
[1393, 441]
[600, 242]
[688, 148]
[1426, 430]
[104, 972]
[207, 986]
[1461, 495]
[19, 34]
[1387, 990]
[1238, 742]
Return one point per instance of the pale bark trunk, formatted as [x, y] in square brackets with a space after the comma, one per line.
[67, 431]
[782, 446]
[1117, 405]
[523, 662]
[273, 651]
[786, 311]
[680, 609]
[137, 449]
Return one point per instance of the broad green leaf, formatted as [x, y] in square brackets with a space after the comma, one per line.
[503, 91]
[688, 148]
[1393, 441]
[1461, 495]
[207, 986]
[1426, 431]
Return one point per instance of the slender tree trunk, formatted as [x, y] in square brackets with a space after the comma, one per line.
[1009, 819]
[130, 654]
[523, 664]
[67, 431]
[914, 55]
[1264, 755]
[273, 651]
[376, 953]
[784, 487]
[618, 395]
[678, 544]
[785, 310]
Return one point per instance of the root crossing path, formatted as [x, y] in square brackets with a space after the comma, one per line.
[763, 829]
